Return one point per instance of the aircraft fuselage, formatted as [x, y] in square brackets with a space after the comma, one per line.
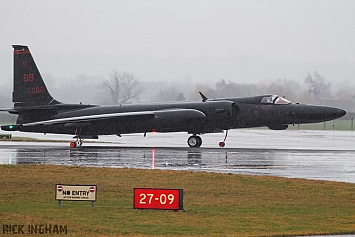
[205, 117]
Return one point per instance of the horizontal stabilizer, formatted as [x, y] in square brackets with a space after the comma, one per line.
[10, 110]
[15, 127]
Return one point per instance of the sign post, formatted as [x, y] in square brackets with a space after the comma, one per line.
[75, 193]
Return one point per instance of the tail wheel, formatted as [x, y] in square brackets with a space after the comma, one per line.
[194, 141]
[76, 143]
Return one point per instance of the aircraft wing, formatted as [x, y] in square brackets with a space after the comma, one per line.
[91, 118]
[162, 114]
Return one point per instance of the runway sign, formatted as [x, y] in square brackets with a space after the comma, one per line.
[156, 198]
[76, 192]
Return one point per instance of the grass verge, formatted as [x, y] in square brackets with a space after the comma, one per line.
[215, 204]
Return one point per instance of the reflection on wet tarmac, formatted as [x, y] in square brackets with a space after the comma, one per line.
[311, 164]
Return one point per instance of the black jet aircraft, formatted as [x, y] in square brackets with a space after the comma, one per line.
[39, 112]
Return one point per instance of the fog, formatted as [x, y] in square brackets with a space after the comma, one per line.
[192, 42]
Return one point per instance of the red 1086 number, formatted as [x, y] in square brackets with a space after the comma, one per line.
[153, 198]
[35, 90]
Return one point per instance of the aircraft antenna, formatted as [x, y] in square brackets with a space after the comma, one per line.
[204, 98]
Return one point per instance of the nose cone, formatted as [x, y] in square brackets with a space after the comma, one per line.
[341, 113]
[315, 114]
[333, 113]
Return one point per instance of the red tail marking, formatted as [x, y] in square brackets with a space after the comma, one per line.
[22, 51]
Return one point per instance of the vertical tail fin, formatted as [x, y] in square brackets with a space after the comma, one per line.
[29, 88]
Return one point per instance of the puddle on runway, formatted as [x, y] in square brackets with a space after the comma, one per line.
[310, 164]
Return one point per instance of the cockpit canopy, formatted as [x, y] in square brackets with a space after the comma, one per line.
[275, 99]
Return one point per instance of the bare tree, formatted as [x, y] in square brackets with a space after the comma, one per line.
[180, 97]
[344, 94]
[225, 89]
[120, 89]
[318, 87]
[282, 87]
[167, 94]
[205, 88]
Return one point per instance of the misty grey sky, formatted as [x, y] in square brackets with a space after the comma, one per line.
[196, 40]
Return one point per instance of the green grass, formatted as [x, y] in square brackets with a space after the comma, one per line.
[343, 125]
[215, 204]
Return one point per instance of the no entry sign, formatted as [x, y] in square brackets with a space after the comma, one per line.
[59, 188]
[76, 192]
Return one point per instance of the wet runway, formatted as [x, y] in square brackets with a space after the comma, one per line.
[322, 155]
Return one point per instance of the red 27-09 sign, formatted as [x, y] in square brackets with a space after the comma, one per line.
[152, 198]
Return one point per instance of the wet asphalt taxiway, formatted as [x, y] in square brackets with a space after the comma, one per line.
[322, 155]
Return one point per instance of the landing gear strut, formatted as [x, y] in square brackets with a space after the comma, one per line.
[78, 141]
[222, 144]
[194, 141]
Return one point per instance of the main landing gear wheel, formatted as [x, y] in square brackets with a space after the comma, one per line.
[194, 141]
[222, 144]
